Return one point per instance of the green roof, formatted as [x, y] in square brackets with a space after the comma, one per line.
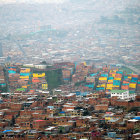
[20, 89]
[118, 91]
[131, 91]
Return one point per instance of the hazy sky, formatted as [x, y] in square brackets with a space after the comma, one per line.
[31, 1]
[131, 2]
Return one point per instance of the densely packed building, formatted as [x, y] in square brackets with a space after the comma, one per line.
[91, 103]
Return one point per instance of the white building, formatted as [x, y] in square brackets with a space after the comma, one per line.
[40, 66]
[123, 94]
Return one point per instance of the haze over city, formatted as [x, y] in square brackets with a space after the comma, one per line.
[70, 69]
[89, 27]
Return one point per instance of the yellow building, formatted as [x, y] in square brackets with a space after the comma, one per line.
[116, 86]
[116, 78]
[109, 85]
[102, 78]
[102, 85]
[38, 75]
[132, 85]
[109, 88]
[113, 75]
[84, 63]
[25, 70]
[45, 86]
[110, 81]
[108, 118]
[113, 70]
[24, 77]
[24, 86]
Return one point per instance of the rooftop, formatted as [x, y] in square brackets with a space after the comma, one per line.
[49, 128]
[39, 120]
[118, 91]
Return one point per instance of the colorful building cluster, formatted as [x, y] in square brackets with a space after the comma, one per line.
[130, 82]
[90, 81]
[39, 81]
[13, 78]
[102, 81]
[78, 111]
[25, 77]
[67, 74]
[116, 79]
[22, 79]
[12, 70]
[81, 72]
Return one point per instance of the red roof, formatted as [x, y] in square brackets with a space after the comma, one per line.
[108, 112]
[39, 120]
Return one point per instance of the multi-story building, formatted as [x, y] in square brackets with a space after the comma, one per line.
[123, 94]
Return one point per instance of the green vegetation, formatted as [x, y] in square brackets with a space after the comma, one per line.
[20, 89]
[54, 78]
[137, 66]
[127, 70]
